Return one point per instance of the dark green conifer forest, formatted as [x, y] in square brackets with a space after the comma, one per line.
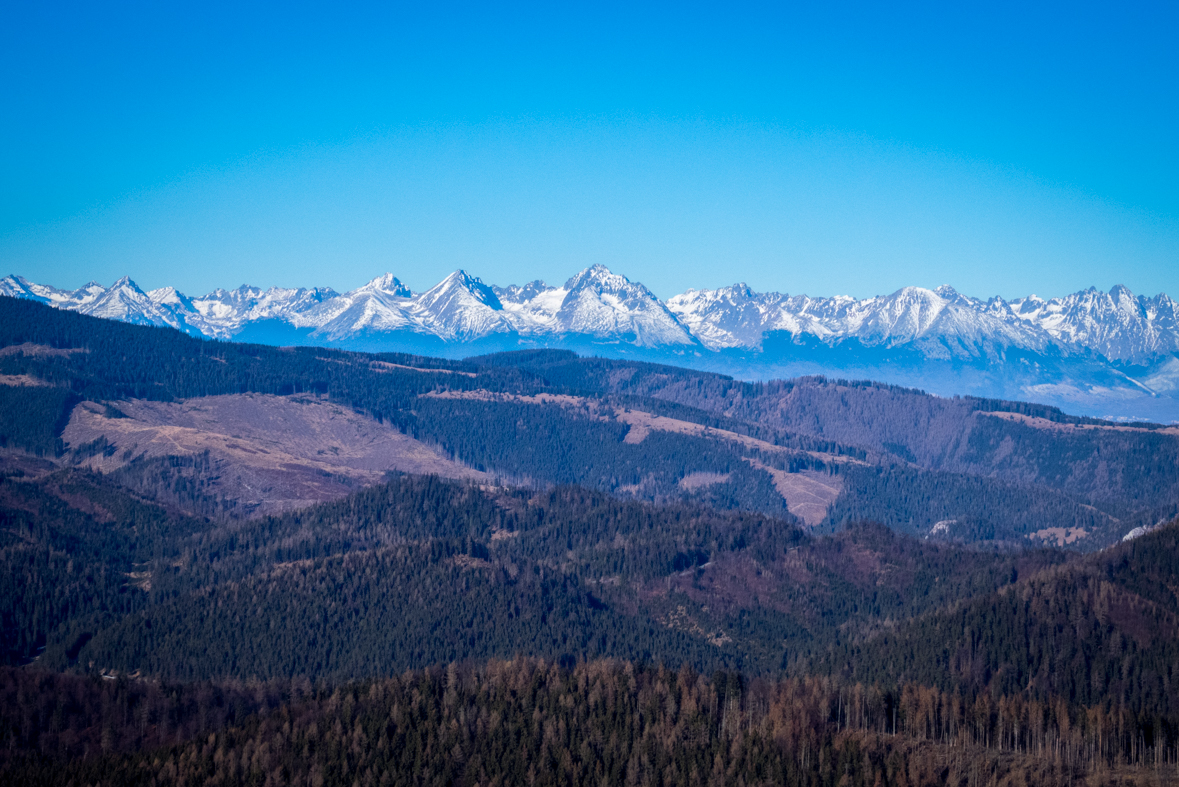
[623, 589]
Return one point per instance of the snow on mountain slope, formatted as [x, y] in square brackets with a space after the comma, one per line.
[532, 308]
[85, 295]
[124, 301]
[605, 307]
[461, 307]
[595, 303]
[381, 305]
[943, 323]
[20, 287]
[222, 313]
[172, 298]
[518, 295]
[1116, 324]
[736, 316]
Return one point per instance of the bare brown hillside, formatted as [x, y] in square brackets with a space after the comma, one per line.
[272, 453]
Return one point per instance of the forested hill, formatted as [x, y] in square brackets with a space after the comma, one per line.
[821, 452]
[418, 570]
[1019, 442]
[599, 571]
[1101, 631]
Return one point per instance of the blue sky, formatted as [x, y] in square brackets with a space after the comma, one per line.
[834, 148]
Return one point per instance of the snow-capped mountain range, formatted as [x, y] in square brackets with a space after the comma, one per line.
[1113, 346]
[945, 323]
[595, 304]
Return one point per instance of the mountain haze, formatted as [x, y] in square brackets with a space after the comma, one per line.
[1103, 354]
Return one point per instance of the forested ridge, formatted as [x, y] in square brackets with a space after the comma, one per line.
[610, 602]
[419, 570]
[1083, 457]
[937, 461]
[1100, 631]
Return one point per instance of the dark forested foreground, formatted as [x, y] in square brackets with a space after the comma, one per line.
[944, 664]
[532, 722]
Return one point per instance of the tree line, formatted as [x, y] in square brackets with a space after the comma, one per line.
[531, 721]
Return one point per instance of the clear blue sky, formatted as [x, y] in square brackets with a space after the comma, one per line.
[834, 148]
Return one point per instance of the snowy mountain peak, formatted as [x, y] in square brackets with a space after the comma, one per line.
[125, 301]
[950, 295]
[19, 287]
[520, 294]
[460, 307]
[1117, 324]
[462, 284]
[601, 279]
[917, 295]
[605, 305]
[170, 296]
[944, 323]
[734, 293]
[123, 291]
[390, 284]
[87, 292]
[903, 316]
[1124, 300]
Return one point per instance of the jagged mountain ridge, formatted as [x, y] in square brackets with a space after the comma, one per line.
[1085, 347]
[1117, 325]
[596, 302]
